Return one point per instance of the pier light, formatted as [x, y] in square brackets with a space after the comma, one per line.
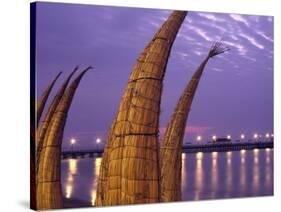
[214, 137]
[267, 135]
[72, 141]
[98, 140]
[242, 136]
[271, 135]
[199, 138]
[256, 136]
[228, 136]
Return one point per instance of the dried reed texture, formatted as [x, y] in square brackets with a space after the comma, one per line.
[103, 172]
[32, 155]
[32, 174]
[171, 149]
[43, 99]
[130, 167]
[49, 193]
[41, 132]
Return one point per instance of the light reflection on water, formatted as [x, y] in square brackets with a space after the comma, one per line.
[72, 170]
[243, 173]
[204, 176]
[229, 179]
[199, 176]
[97, 163]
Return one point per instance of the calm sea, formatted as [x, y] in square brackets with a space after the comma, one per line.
[215, 175]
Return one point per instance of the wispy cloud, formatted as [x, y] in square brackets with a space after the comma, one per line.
[262, 34]
[250, 58]
[211, 17]
[198, 53]
[217, 69]
[252, 40]
[240, 48]
[240, 18]
[216, 26]
[203, 34]
[182, 54]
[233, 37]
[185, 37]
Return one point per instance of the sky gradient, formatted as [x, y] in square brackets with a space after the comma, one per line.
[235, 94]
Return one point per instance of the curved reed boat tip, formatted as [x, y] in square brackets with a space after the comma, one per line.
[76, 68]
[49, 176]
[171, 149]
[133, 138]
[44, 97]
[89, 68]
[218, 48]
[41, 132]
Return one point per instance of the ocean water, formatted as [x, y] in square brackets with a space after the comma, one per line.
[215, 175]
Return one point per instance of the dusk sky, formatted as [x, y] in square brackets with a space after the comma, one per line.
[235, 94]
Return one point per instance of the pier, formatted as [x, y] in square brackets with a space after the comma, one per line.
[187, 148]
[225, 147]
[81, 153]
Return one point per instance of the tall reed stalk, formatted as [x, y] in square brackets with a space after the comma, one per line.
[42, 129]
[129, 171]
[49, 193]
[44, 97]
[171, 149]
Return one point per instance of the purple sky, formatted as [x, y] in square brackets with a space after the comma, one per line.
[235, 94]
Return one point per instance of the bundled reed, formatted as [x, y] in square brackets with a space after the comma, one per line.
[32, 154]
[171, 149]
[43, 98]
[49, 193]
[130, 165]
[41, 132]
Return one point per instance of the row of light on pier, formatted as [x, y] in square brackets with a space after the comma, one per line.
[74, 141]
[242, 136]
[198, 138]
